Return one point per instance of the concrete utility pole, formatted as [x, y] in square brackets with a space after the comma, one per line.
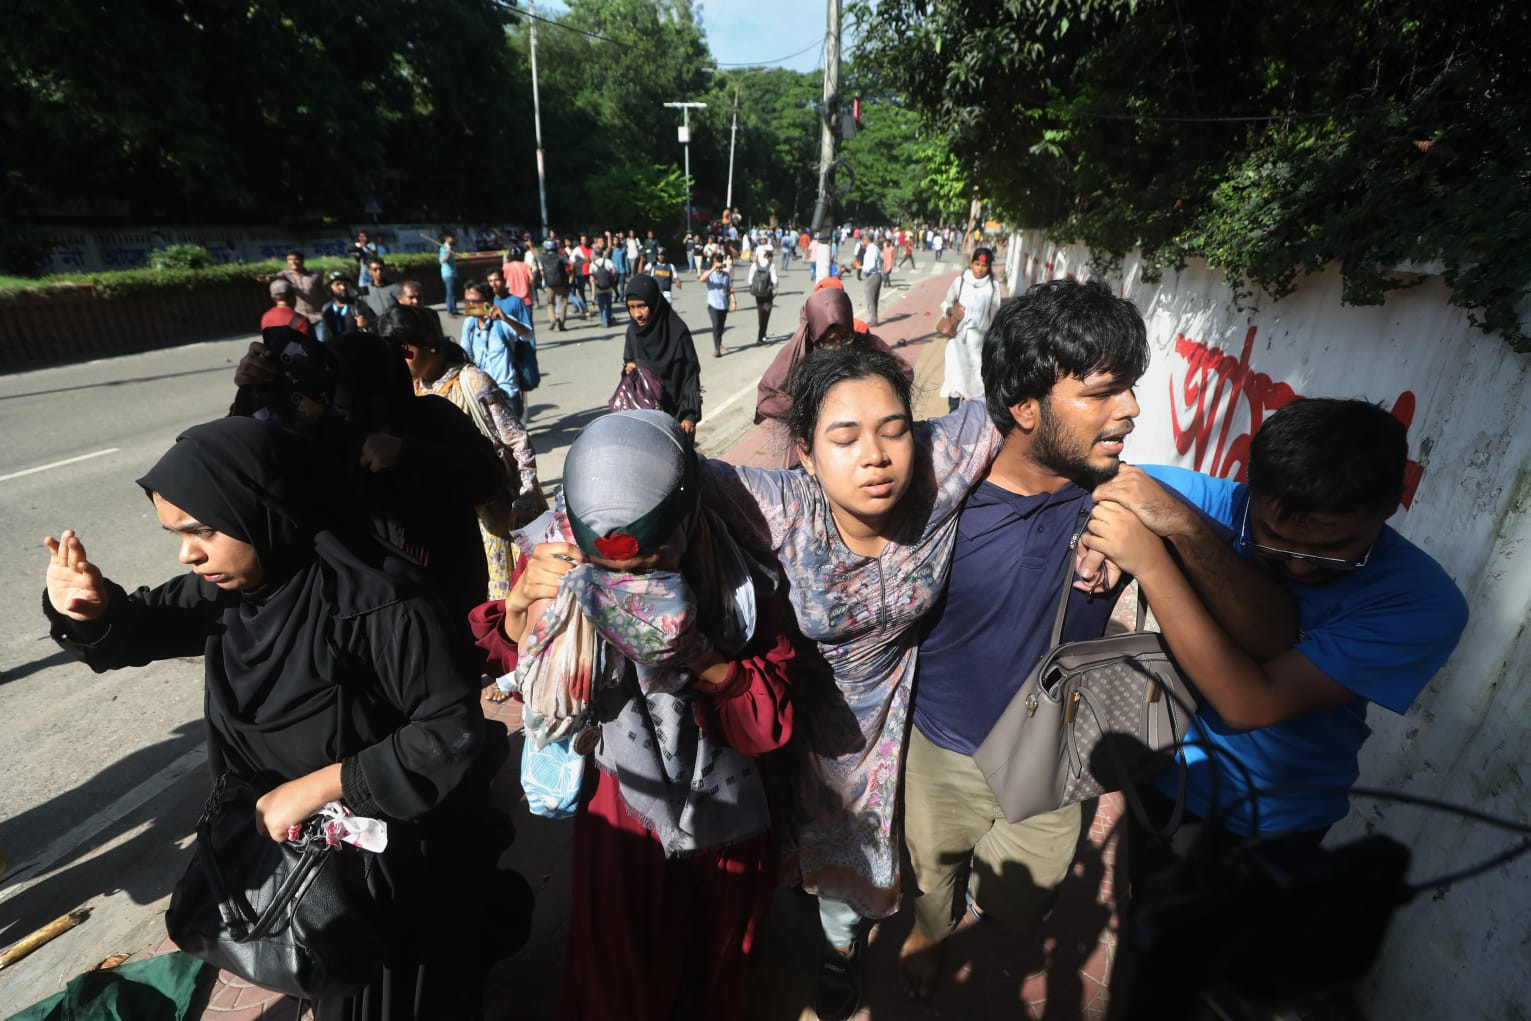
[822, 210]
[685, 140]
[542, 177]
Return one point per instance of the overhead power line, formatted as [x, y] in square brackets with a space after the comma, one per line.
[777, 60]
[621, 42]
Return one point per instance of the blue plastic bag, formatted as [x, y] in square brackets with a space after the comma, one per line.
[551, 777]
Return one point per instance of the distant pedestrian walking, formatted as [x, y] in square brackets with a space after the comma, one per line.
[720, 299]
[762, 283]
[447, 256]
[975, 297]
[872, 274]
[553, 268]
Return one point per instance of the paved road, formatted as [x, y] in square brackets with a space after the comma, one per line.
[105, 773]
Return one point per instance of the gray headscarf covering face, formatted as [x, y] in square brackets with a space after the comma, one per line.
[627, 477]
[631, 473]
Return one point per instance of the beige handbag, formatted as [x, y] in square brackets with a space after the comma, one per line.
[947, 325]
[1092, 717]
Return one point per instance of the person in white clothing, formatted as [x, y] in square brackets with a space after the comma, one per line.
[978, 294]
[762, 284]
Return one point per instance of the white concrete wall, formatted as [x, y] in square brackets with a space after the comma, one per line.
[1461, 950]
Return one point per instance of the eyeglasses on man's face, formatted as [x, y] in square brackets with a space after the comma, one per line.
[1276, 553]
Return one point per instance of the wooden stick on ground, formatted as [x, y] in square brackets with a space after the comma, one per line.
[43, 936]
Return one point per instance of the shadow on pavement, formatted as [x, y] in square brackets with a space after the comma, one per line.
[145, 867]
[224, 369]
[27, 669]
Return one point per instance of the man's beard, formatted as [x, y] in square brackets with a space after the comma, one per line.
[1056, 451]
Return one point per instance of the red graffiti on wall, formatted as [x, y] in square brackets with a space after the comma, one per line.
[1221, 392]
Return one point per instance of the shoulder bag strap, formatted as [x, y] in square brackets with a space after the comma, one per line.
[1068, 578]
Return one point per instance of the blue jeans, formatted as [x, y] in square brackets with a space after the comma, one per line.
[603, 302]
[449, 284]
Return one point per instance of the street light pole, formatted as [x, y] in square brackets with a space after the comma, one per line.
[733, 133]
[685, 139]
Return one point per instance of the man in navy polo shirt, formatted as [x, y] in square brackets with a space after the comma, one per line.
[1378, 616]
[1059, 366]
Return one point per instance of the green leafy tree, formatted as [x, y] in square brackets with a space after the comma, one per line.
[605, 71]
[1270, 139]
[777, 151]
[204, 110]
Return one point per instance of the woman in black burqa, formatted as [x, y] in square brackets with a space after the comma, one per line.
[659, 341]
[418, 467]
[328, 677]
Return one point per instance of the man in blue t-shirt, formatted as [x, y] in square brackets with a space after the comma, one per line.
[1059, 365]
[490, 339]
[510, 305]
[1378, 616]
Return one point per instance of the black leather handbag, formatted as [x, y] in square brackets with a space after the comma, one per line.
[1093, 717]
[301, 917]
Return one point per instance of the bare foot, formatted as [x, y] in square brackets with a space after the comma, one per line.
[919, 964]
[494, 694]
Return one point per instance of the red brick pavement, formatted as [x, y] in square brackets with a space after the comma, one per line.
[987, 972]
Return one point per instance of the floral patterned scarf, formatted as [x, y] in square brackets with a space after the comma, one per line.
[692, 793]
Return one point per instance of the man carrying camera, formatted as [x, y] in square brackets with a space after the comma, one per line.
[490, 337]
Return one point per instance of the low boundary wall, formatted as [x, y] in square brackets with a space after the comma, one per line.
[70, 325]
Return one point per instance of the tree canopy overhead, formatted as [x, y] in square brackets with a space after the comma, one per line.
[1269, 138]
[212, 110]
[144, 112]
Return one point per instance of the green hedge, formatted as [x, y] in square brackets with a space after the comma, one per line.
[121, 283]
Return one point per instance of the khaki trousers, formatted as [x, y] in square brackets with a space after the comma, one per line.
[951, 819]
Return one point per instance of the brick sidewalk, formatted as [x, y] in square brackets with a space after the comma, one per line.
[987, 973]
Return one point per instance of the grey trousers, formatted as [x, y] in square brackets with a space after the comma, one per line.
[873, 290]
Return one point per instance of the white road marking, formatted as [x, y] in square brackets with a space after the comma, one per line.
[58, 464]
[754, 387]
[729, 403]
[40, 865]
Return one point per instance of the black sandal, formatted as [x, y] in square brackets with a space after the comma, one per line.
[839, 993]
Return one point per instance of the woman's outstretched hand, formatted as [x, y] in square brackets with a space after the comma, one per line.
[75, 586]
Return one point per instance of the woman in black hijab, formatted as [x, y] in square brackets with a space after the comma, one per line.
[329, 677]
[661, 343]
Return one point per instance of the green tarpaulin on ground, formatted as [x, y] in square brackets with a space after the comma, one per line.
[154, 989]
